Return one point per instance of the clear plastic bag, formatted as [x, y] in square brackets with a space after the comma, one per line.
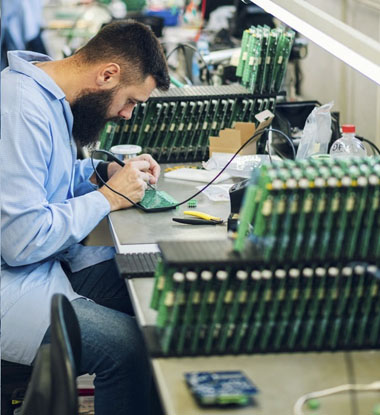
[316, 133]
[241, 166]
[217, 192]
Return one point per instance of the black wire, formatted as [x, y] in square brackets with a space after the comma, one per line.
[191, 197]
[373, 145]
[351, 379]
[182, 46]
[104, 183]
[270, 157]
[257, 133]
[252, 138]
[178, 204]
[279, 153]
[290, 141]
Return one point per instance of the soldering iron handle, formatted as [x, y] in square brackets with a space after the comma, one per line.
[118, 161]
[110, 156]
[122, 164]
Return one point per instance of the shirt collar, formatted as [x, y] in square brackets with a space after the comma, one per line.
[21, 61]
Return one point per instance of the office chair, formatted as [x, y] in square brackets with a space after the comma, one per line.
[52, 388]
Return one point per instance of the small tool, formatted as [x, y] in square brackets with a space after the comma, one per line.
[202, 219]
[151, 186]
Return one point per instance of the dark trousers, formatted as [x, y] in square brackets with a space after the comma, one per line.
[102, 283]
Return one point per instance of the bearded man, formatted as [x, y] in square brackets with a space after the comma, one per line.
[50, 202]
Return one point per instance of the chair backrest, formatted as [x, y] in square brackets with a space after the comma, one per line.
[65, 356]
[65, 328]
[39, 395]
[58, 362]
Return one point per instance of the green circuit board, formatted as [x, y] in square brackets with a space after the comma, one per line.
[156, 199]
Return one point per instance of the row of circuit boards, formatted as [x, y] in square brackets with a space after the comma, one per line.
[264, 58]
[175, 126]
[301, 275]
[228, 305]
[322, 209]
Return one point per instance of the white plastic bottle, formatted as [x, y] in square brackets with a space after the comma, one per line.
[348, 145]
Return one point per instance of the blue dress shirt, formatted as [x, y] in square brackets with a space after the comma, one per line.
[47, 204]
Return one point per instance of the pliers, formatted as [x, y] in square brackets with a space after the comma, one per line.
[203, 218]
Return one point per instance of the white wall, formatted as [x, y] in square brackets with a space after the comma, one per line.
[326, 78]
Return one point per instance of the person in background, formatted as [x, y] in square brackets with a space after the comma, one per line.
[50, 201]
[21, 27]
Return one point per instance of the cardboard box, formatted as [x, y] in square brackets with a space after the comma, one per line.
[231, 139]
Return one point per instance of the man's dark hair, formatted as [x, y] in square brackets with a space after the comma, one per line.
[134, 47]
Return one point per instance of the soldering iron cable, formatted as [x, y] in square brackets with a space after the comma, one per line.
[253, 138]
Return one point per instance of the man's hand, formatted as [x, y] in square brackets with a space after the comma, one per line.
[154, 168]
[112, 168]
[130, 180]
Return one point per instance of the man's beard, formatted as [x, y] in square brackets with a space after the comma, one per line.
[90, 115]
